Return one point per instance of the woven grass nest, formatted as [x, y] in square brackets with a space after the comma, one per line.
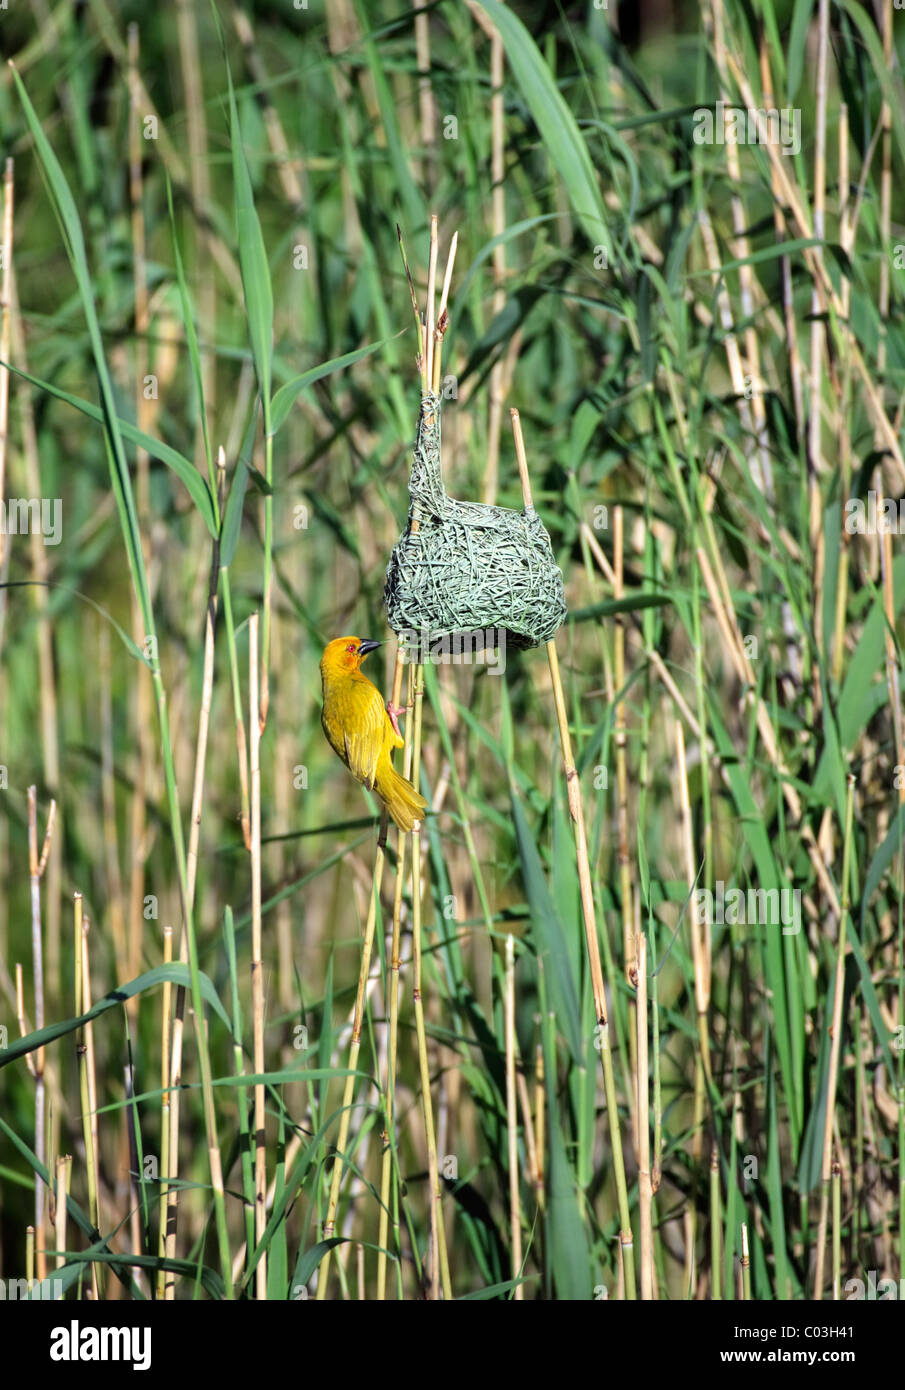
[466, 567]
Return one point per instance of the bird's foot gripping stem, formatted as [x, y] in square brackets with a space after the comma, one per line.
[394, 712]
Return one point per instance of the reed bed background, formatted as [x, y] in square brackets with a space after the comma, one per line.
[550, 1074]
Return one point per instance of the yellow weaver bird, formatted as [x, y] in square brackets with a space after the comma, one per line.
[363, 731]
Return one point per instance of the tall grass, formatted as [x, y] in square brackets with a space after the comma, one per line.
[212, 366]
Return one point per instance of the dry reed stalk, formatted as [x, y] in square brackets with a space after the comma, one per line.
[36, 865]
[172, 1101]
[238, 716]
[132, 1175]
[619, 735]
[836, 1042]
[442, 319]
[81, 1049]
[98, 1274]
[837, 1230]
[22, 1016]
[257, 966]
[439, 1259]
[204, 712]
[699, 930]
[540, 1117]
[515, 1206]
[165, 1019]
[524, 1101]
[115, 904]
[392, 993]
[862, 1049]
[64, 1176]
[51, 1164]
[622, 852]
[716, 1227]
[429, 321]
[642, 1105]
[576, 812]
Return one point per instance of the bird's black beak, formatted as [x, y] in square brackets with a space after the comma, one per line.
[368, 645]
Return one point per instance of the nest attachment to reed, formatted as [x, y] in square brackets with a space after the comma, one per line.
[468, 567]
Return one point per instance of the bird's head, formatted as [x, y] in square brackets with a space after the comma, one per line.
[346, 654]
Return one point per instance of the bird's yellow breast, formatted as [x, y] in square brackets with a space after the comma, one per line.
[356, 723]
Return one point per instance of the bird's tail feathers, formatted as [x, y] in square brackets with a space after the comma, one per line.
[404, 804]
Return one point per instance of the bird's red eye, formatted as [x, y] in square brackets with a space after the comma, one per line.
[351, 647]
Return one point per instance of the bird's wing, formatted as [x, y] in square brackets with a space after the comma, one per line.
[363, 725]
